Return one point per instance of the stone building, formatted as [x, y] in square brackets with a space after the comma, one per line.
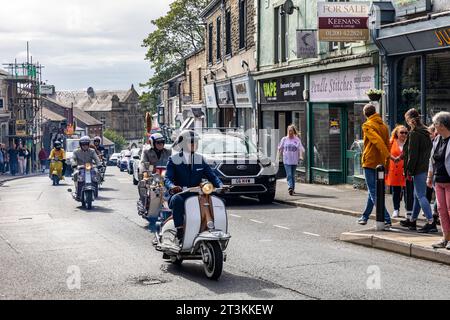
[230, 50]
[117, 110]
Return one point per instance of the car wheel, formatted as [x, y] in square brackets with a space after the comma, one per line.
[266, 198]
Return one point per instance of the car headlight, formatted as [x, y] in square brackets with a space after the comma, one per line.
[265, 162]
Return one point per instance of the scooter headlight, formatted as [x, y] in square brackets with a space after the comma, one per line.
[207, 188]
[88, 166]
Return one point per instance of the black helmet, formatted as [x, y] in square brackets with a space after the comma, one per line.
[85, 141]
[57, 144]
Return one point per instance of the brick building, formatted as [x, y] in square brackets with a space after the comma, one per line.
[117, 110]
[230, 50]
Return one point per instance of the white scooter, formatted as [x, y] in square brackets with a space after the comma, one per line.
[205, 231]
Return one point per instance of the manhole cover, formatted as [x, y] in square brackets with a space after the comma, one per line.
[148, 281]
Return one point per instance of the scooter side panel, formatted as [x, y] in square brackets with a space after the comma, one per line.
[220, 214]
[193, 221]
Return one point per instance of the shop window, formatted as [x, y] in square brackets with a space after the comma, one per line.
[228, 32]
[327, 138]
[200, 97]
[213, 117]
[437, 84]
[299, 120]
[210, 43]
[409, 86]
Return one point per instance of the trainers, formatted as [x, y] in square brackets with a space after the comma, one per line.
[408, 224]
[429, 227]
[395, 214]
[362, 221]
[441, 244]
[291, 192]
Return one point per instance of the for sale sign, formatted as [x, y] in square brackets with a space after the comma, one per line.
[343, 21]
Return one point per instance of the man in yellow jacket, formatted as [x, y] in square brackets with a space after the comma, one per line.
[376, 152]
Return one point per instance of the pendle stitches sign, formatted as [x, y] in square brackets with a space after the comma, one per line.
[306, 44]
[342, 86]
[343, 21]
[210, 95]
[286, 89]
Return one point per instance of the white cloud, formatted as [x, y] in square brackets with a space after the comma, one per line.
[81, 43]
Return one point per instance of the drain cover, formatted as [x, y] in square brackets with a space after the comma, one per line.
[148, 281]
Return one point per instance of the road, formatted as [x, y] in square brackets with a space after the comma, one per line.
[276, 252]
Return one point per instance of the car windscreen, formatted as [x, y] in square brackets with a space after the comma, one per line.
[225, 144]
[72, 145]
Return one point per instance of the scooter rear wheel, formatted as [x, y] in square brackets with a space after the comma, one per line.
[213, 262]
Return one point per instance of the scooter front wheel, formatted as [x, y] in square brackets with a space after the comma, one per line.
[212, 259]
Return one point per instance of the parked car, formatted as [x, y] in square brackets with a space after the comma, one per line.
[124, 159]
[237, 162]
[135, 152]
[136, 164]
[112, 161]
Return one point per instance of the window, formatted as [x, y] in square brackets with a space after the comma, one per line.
[210, 43]
[228, 32]
[218, 39]
[281, 34]
[242, 23]
[200, 98]
[1, 104]
[190, 83]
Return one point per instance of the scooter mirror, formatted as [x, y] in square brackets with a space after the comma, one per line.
[69, 190]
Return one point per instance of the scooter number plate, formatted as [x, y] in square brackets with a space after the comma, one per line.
[243, 181]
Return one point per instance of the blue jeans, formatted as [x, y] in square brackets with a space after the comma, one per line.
[370, 175]
[176, 203]
[420, 197]
[290, 173]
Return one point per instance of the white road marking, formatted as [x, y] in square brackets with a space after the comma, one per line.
[265, 240]
[256, 221]
[277, 226]
[235, 215]
[312, 234]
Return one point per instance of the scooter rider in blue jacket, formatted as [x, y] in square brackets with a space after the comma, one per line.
[186, 169]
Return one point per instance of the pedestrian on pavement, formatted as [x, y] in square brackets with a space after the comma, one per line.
[2, 160]
[376, 152]
[43, 159]
[416, 153]
[430, 191]
[439, 174]
[292, 150]
[13, 159]
[395, 178]
[22, 158]
[28, 168]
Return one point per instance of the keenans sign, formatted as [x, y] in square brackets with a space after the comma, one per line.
[343, 21]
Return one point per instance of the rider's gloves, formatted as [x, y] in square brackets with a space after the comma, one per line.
[223, 189]
[175, 190]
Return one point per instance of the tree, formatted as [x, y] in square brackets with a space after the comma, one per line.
[178, 33]
[118, 140]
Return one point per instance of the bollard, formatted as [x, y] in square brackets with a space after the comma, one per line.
[380, 197]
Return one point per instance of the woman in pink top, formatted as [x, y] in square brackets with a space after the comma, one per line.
[292, 151]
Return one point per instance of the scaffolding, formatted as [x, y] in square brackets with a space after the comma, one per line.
[24, 80]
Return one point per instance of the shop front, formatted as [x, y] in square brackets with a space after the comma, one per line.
[225, 101]
[281, 104]
[244, 98]
[418, 67]
[335, 117]
[212, 110]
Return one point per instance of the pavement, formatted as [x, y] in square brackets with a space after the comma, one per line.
[7, 177]
[346, 200]
[51, 248]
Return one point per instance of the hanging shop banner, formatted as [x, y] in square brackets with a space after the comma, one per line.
[406, 7]
[306, 44]
[21, 128]
[343, 21]
[242, 90]
[224, 94]
[350, 85]
[285, 89]
[210, 96]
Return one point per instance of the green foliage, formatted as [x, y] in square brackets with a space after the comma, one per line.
[119, 141]
[177, 34]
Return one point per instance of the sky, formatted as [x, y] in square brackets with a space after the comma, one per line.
[81, 43]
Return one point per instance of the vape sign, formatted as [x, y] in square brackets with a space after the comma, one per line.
[343, 21]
